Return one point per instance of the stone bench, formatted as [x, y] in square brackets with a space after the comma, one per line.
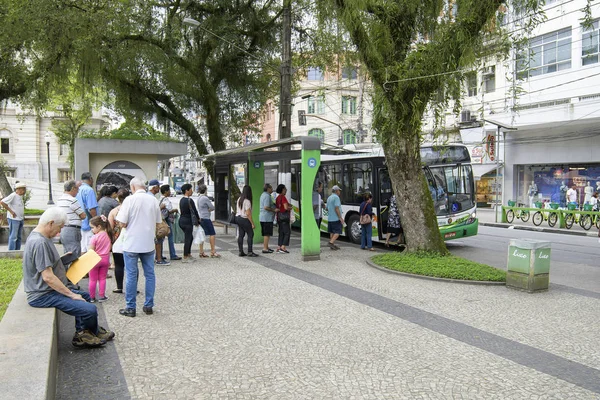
[28, 350]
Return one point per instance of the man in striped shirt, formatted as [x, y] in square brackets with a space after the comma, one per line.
[70, 235]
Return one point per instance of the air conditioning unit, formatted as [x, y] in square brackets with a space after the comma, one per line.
[465, 116]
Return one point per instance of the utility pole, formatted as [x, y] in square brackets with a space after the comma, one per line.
[285, 98]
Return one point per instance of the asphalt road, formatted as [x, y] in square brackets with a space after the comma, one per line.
[575, 260]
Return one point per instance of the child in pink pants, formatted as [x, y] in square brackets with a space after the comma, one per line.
[100, 243]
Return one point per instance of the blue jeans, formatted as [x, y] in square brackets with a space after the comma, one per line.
[172, 252]
[131, 273]
[366, 233]
[15, 229]
[86, 314]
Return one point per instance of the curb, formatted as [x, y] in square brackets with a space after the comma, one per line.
[538, 229]
[432, 278]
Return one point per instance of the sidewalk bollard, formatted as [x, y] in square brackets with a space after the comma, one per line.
[528, 265]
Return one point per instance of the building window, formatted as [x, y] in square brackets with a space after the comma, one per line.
[546, 54]
[268, 137]
[314, 74]
[4, 142]
[64, 149]
[10, 173]
[349, 136]
[316, 132]
[316, 105]
[349, 105]
[63, 175]
[489, 79]
[589, 51]
[349, 72]
[471, 84]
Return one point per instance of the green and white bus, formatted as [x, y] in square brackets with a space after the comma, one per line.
[447, 169]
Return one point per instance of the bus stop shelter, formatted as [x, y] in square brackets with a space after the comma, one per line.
[255, 156]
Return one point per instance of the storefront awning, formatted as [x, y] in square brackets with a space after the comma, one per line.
[481, 169]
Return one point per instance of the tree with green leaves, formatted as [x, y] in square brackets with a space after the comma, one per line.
[415, 52]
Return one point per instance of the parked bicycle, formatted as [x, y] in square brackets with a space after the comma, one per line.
[520, 214]
[550, 216]
[587, 220]
[573, 217]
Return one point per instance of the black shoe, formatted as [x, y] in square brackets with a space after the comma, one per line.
[252, 254]
[242, 254]
[118, 291]
[147, 310]
[266, 252]
[128, 312]
[175, 258]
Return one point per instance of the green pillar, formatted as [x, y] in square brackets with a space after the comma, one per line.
[256, 178]
[310, 235]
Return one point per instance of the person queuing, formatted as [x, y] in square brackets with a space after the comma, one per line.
[70, 235]
[87, 198]
[107, 200]
[318, 205]
[266, 216]
[168, 214]
[116, 228]
[283, 219]
[394, 228]
[366, 229]
[245, 222]
[189, 218]
[141, 216]
[101, 244]
[13, 203]
[205, 207]
[45, 280]
[335, 221]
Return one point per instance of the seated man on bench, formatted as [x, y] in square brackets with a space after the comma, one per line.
[45, 280]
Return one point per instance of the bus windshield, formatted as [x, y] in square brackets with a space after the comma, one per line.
[451, 188]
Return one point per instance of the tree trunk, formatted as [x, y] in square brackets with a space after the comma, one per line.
[5, 187]
[413, 197]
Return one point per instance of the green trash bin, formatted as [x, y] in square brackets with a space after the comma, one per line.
[528, 265]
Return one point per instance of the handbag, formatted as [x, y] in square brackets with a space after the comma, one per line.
[232, 219]
[117, 246]
[162, 230]
[195, 221]
[282, 216]
[365, 219]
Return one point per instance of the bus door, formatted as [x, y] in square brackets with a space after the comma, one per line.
[383, 195]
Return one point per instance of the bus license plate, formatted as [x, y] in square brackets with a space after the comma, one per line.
[449, 235]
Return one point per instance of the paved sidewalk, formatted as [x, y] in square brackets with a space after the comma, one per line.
[279, 328]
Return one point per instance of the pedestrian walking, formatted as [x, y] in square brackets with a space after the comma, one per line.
[283, 219]
[366, 226]
[101, 244]
[266, 216]
[335, 222]
[205, 207]
[189, 218]
[13, 203]
[244, 221]
[141, 216]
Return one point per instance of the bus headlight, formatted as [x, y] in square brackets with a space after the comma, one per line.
[474, 215]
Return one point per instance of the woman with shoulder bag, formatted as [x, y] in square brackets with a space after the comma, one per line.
[116, 229]
[366, 227]
[283, 219]
[188, 219]
[244, 221]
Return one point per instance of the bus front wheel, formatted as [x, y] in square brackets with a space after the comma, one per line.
[353, 228]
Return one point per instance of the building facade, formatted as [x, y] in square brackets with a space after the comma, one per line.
[545, 137]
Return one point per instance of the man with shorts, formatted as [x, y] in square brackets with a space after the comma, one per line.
[335, 222]
[266, 216]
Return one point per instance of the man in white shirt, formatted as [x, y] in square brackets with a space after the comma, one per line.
[13, 203]
[70, 235]
[140, 214]
[572, 194]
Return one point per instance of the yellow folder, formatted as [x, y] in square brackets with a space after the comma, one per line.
[82, 266]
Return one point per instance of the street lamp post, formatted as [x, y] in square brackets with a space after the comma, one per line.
[50, 201]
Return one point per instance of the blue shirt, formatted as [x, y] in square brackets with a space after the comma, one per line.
[87, 199]
[266, 201]
[332, 202]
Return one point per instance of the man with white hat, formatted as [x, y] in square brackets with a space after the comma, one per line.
[335, 222]
[13, 203]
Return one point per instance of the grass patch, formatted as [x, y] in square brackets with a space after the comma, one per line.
[11, 273]
[33, 211]
[449, 267]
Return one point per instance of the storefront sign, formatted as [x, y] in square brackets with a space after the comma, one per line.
[477, 155]
[491, 147]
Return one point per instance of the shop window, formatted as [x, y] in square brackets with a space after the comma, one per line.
[545, 54]
[358, 181]
[349, 105]
[589, 44]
